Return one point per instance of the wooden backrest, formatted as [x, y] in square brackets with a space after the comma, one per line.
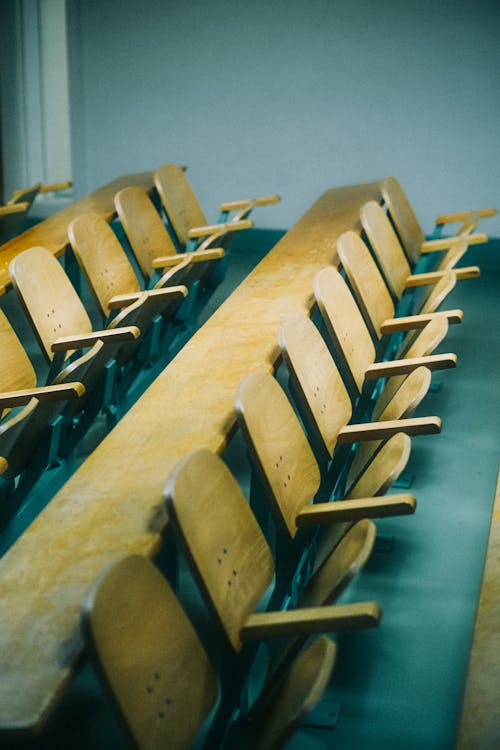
[325, 404]
[297, 695]
[384, 469]
[282, 456]
[386, 247]
[344, 322]
[364, 277]
[50, 300]
[145, 230]
[148, 655]
[223, 541]
[16, 370]
[181, 204]
[403, 218]
[102, 259]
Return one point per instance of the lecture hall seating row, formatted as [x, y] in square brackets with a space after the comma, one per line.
[281, 286]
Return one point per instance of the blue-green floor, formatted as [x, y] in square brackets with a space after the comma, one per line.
[398, 686]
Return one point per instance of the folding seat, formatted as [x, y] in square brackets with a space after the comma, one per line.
[185, 215]
[158, 676]
[154, 249]
[410, 233]
[373, 296]
[353, 345]
[114, 284]
[233, 567]
[393, 261]
[63, 327]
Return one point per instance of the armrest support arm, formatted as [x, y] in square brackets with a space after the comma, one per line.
[167, 293]
[305, 621]
[404, 366]
[14, 208]
[355, 433]
[483, 213]
[432, 277]
[431, 246]
[219, 229]
[112, 336]
[63, 392]
[415, 322]
[196, 256]
[248, 203]
[354, 510]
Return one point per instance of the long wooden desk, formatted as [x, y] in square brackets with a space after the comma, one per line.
[113, 504]
[53, 232]
[479, 726]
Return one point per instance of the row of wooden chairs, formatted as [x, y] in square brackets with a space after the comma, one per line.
[93, 370]
[302, 573]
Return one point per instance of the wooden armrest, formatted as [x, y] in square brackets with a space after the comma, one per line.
[264, 200]
[308, 620]
[405, 366]
[483, 213]
[432, 277]
[4, 465]
[124, 300]
[112, 336]
[196, 256]
[55, 186]
[415, 322]
[63, 392]
[445, 243]
[228, 226]
[13, 208]
[354, 510]
[355, 433]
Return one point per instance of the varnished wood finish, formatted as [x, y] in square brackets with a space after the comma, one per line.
[219, 229]
[113, 503]
[344, 323]
[325, 402]
[478, 726]
[148, 656]
[52, 233]
[53, 306]
[299, 692]
[248, 203]
[416, 322]
[16, 370]
[404, 218]
[145, 230]
[353, 510]
[386, 246]
[464, 215]
[102, 259]
[385, 468]
[288, 468]
[222, 537]
[179, 200]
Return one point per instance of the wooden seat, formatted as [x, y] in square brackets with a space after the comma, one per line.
[148, 656]
[410, 232]
[28, 410]
[113, 282]
[157, 673]
[324, 403]
[374, 299]
[393, 262]
[233, 566]
[152, 245]
[353, 343]
[288, 473]
[186, 217]
[63, 327]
